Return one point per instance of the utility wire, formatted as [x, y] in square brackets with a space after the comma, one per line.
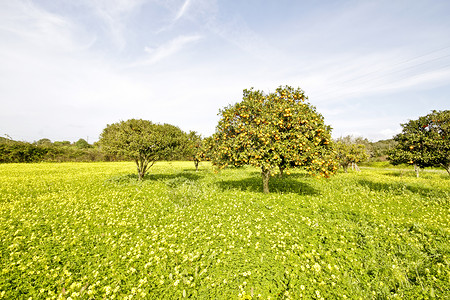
[401, 63]
[404, 69]
[393, 71]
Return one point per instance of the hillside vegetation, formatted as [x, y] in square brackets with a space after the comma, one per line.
[92, 231]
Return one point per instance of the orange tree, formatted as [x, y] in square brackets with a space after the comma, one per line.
[424, 142]
[349, 151]
[276, 130]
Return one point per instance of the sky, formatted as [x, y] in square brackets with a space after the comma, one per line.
[68, 68]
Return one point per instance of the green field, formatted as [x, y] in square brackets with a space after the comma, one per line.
[91, 231]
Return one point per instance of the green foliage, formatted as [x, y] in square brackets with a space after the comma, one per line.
[193, 148]
[379, 150]
[278, 130]
[424, 142]
[73, 154]
[44, 142]
[350, 151]
[92, 231]
[44, 150]
[21, 152]
[82, 144]
[206, 149]
[62, 144]
[143, 141]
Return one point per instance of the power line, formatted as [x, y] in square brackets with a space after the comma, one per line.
[393, 71]
[403, 62]
[404, 69]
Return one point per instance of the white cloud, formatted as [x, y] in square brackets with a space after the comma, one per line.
[163, 51]
[389, 132]
[115, 15]
[182, 10]
[170, 48]
[232, 28]
[24, 25]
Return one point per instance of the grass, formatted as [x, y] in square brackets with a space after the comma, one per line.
[92, 231]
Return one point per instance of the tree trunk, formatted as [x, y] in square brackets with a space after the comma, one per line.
[265, 173]
[416, 168]
[142, 167]
[345, 168]
[281, 171]
[140, 170]
[447, 168]
[138, 167]
[141, 175]
[196, 162]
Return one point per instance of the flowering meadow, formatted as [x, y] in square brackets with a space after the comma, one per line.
[92, 231]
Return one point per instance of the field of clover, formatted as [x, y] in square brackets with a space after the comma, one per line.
[92, 231]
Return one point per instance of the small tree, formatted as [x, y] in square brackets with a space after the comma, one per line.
[424, 142]
[44, 142]
[350, 152]
[380, 149]
[142, 141]
[438, 138]
[278, 130]
[193, 148]
[82, 144]
[61, 144]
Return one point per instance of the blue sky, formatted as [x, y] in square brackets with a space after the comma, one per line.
[68, 68]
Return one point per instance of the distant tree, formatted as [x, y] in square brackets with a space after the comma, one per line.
[379, 150]
[194, 148]
[142, 141]
[277, 130]
[44, 142]
[44, 150]
[20, 152]
[424, 142]
[350, 151]
[61, 143]
[82, 144]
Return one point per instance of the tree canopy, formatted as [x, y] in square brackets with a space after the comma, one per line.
[82, 144]
[350, 151]
[193, 149]
[275, 130]
[20, 152]
[142, 141]
[424, 142]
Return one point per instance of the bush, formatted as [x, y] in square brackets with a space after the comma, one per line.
[19, 152]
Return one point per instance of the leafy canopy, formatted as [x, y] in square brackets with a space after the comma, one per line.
[279, 129]
[193, 149]
[424, 142]
[142, 141]
[350, 151]
[82, 144]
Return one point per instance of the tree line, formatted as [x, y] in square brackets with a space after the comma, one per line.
[46, 151]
